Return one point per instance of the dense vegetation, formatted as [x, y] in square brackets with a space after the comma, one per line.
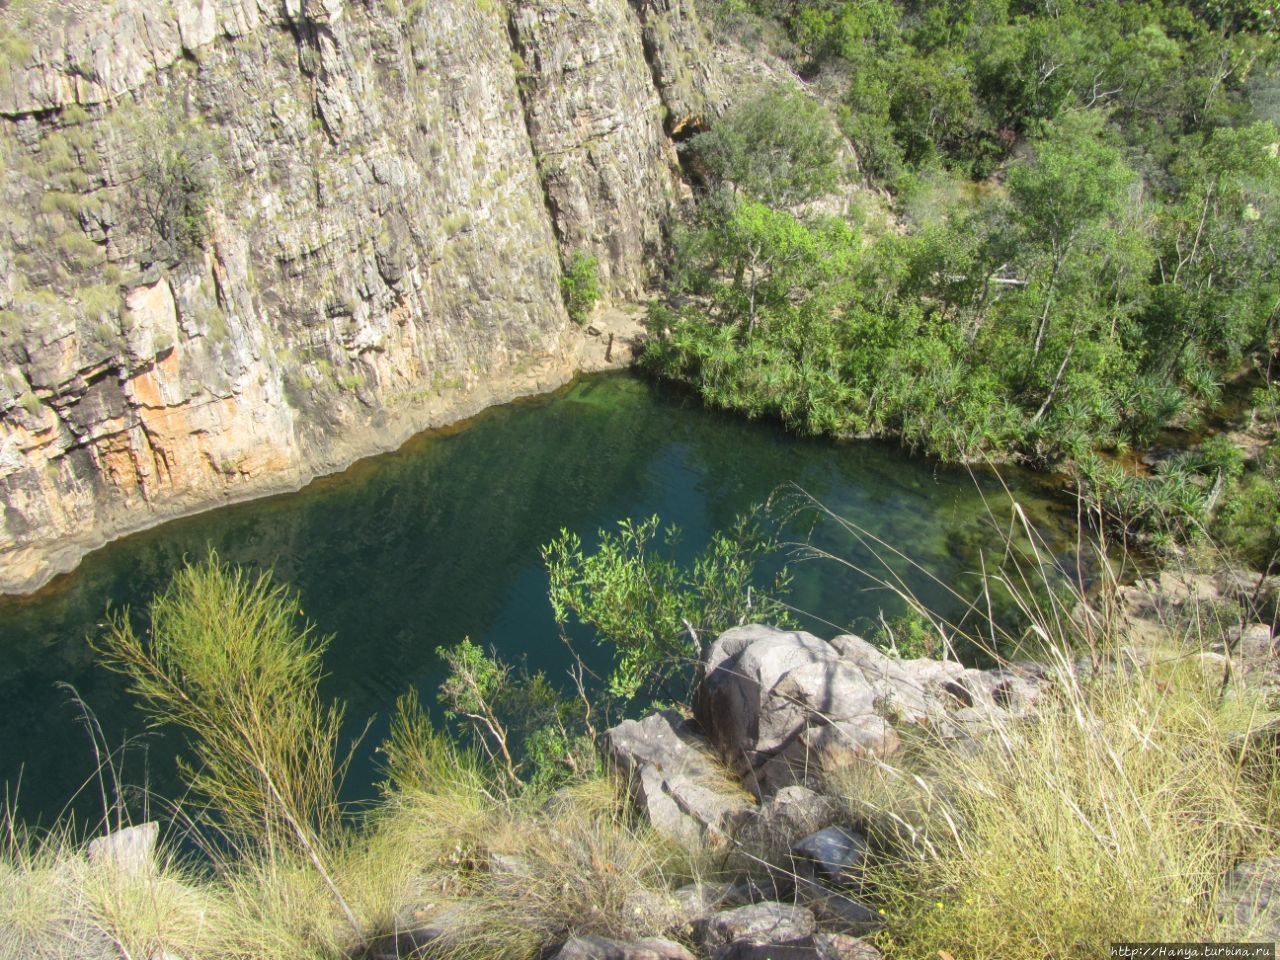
[1069, 240]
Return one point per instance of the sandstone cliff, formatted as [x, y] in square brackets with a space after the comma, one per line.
[243, 242]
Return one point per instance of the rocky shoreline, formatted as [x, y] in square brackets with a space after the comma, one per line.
[608, 342]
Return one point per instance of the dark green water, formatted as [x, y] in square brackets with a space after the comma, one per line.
[438, 541]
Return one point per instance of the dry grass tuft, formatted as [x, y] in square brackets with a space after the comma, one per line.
[55, 904]
[1113, 816]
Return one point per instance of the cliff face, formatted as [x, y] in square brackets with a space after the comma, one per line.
[243, 242]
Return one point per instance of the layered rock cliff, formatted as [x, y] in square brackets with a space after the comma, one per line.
[243, 242]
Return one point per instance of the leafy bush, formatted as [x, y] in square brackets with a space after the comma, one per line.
[580, 286]
[780, 147]
[176, 192]
[1114, 266]
[530, 731]
[1248, 520]
[652, 610]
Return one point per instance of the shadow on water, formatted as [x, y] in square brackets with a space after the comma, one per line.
[440, 540]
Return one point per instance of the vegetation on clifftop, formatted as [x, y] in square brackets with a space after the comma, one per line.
[1083, 219]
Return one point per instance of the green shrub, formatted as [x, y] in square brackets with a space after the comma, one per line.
[177, 188]
[533, 735]
[654, 611]
[227, 659]
[580, 286]
[780, 146]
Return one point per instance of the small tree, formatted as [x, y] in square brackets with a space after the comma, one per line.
[176, 189]
[533, 735]
[227, 659]
[652, 609]
[580, 286]
[781, 147]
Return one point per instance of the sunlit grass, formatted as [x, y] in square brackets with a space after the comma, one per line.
[1113, 816]
[57, 902]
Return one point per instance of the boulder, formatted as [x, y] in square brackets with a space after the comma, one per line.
[130, 851]
[838, 946]
[834, 855]
[1253, 642]
[696, 901]
[783, 707]
[838, 911]
[1249, 904]
[602, 948]
[764, 687]
[818, 946]
[675, 779]
[793, 811]
[414, 942]
[758, 923]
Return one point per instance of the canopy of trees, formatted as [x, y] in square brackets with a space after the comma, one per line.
[1083, 229]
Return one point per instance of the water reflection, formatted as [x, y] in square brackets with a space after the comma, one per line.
[440, 540]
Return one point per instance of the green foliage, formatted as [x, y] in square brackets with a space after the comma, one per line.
[418, 757]
[1248, 520]
[176, 191]
[226, 659]
[780, 147]
[1103, 290]
[580, 286]
[654, 611]
[536, 736]
[908, 637]
[1177, 502]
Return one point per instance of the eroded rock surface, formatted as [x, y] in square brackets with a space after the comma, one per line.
[246, 242]
[675, 779]
[781, 706]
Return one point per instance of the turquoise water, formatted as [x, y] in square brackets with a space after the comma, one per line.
[440, 540]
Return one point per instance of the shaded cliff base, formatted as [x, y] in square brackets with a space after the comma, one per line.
[608, 341]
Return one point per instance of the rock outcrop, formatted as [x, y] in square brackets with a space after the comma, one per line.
[776, 712]
[781, 706]
[246, 242]
[674, 777]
